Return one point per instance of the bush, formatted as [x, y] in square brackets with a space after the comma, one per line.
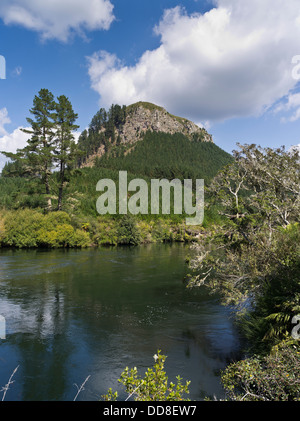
[80, 239]
[153, 387]
[272, 378]
[21, 228]
[162, 231]
[128, 232]
[30, 229]
[105, 232]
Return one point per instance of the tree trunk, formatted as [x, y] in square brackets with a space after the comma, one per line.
[60, 194]
[49, 201]
[60, 189]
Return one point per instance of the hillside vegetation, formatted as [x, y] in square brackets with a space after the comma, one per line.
[162, 155]
[51, 174]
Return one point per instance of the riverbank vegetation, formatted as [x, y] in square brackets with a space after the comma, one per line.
[253, 262]
[28, 228]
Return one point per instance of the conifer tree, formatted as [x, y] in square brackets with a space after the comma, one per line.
[51, 142]
[66, 149]
[37, 156]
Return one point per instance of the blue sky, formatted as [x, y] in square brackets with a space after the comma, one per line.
[225, 64]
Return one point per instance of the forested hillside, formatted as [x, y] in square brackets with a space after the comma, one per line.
[162, 155]
[125, 126]
[33, 181]
[51, 183]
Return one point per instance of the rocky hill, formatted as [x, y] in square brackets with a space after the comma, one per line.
[144, 116]
[128, 125]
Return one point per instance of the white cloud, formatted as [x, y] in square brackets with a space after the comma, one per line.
[4, 119]
[234, 60]
[76, 136]
[291, 106]
[58, 18]
[10, 142]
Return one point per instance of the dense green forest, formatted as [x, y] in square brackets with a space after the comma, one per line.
[101, 131]
[161, 155]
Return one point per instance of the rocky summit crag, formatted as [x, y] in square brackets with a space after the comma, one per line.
[144, 116]
[127, 125]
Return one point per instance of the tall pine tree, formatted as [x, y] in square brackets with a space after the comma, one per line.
[66, 149]
[51, 142]
[37, 156]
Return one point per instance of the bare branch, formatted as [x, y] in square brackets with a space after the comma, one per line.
[10, 381]
[81, 387]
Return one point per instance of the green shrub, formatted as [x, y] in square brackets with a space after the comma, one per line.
[272, 378]
[162, 232]
[105, 232]
[21, 228]
[154, 386]
[128, 232]
[80, 239]
[53, 219]
[30, 229]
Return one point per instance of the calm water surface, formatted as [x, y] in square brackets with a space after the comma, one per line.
[71, 314]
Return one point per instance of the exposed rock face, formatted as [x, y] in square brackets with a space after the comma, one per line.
[142, 117]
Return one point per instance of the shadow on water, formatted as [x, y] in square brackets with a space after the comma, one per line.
[74, 313]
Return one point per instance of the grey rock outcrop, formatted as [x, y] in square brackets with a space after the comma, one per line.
[142, 117]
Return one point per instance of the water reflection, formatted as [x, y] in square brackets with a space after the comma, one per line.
[71, 314]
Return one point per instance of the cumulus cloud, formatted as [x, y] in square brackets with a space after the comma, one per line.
[234, 60]
[56, 18]
[291, 106]
[10, 142]
[4, 119]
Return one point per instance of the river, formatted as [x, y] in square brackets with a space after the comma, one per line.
[75, 313]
